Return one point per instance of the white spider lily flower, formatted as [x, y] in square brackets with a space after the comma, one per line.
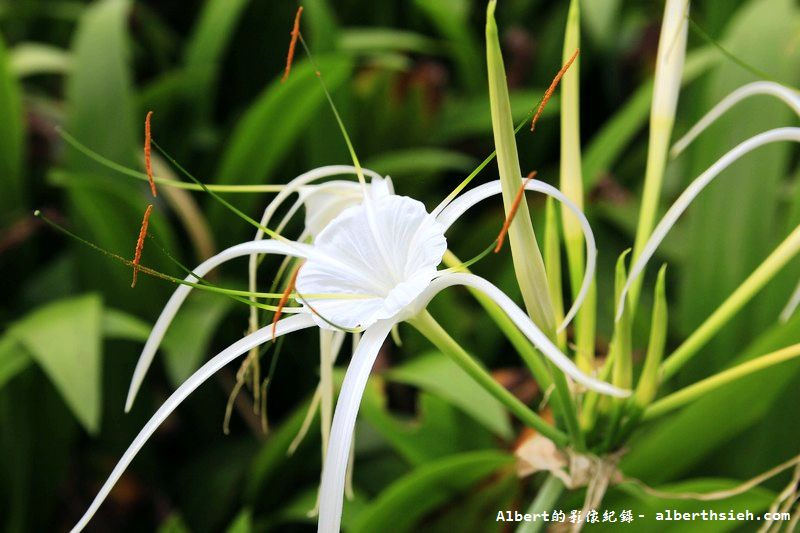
[320, 201]
[377, 265]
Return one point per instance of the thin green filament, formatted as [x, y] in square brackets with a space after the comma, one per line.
[238, 295]
[129, 172]
[489, 158]
[733, 57]
[468, 263]
[217, 197]
[336, 114]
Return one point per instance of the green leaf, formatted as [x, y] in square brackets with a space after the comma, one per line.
[633, 498]
[471, 117]
[370, 40]
[451, 17]
[173, 524]
[121, 325]
[438, 374]
[271, 126]
[271, 459]
[187, 340]
[243, 523]
[297, 510]
[210, 37]
[30, 59]
[65, 339]
[100, 113]
[601, 18]
[415, 161]
[674, 445]
[648, 380]
[11, 139]
[321, 25]
[212, 32]
[400, 507]
[99, 91]
[551, 251]
[13, 359]
[438, 431]
[528, 262]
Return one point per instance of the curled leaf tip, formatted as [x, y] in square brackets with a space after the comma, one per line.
[513, 211]
[137, 256]
[148, 164]
[550, 90]
[37, 213]
[292, 44]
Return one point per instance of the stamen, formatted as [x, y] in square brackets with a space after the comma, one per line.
[237, 295]
[284, 299]
[148, 164]
[140, 242]
[295, 34]
[513, 211]
[549, 92]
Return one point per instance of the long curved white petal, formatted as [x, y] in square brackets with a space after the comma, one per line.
[460, 205]
[180, 294]
[691, 192]
[344, 420]
[790, 97]
[525, 325]
[791, 305]
[287, 325]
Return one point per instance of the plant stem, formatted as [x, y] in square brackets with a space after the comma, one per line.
[571, 182]
[542, 370]
[743, 294]
[545, 500]
[434, 332]
[697, 390]
[667, 84]
[533, 359]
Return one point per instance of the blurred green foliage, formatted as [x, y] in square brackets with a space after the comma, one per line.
[409, 78]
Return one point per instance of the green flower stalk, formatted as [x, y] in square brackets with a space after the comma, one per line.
[572, 185]
[528, 262]
[669, 69]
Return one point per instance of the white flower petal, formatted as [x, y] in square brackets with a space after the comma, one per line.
[324, 202]
[296, 185]
[790, 97]
[525, 325]
[384, 253]
[304, 179]
[460, 205]
[691, 192]
[791, 305]
[180, 294]
[344, 420]
[287, 325]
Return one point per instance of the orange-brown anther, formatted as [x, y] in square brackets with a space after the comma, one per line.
[283, 300]
[137, 256]
[549, 92]
[292, 43]
[148, 164]
[513, 211]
